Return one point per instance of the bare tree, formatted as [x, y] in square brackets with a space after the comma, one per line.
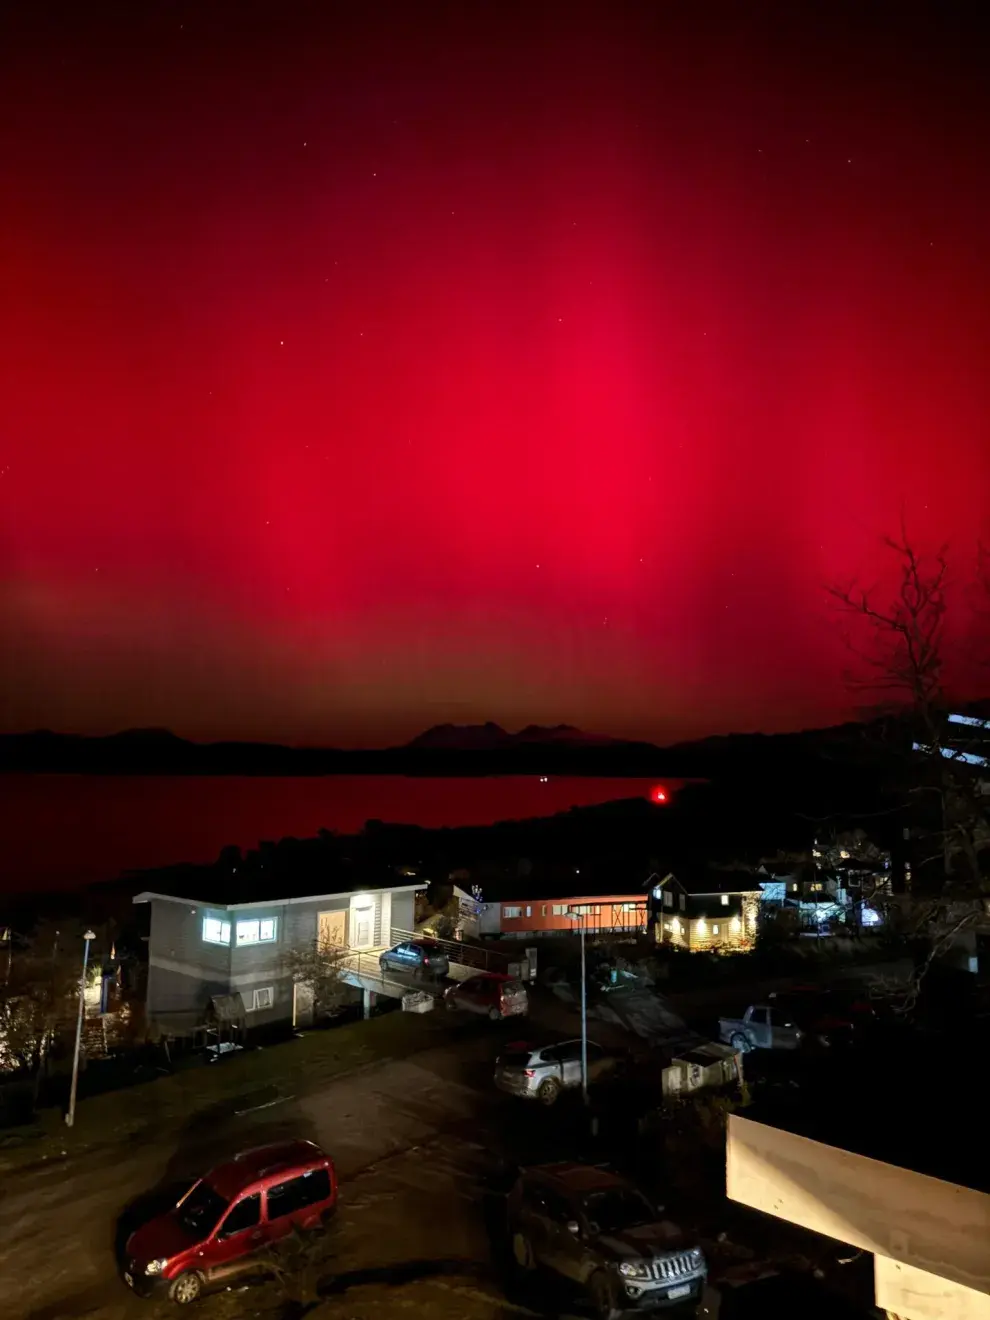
[321, 968]
[39, 998]
[903, 644]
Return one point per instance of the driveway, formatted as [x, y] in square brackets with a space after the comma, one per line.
[407, 1140]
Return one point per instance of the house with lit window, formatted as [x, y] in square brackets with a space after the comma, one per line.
[707, 910]
[208, 942]
[600, 914]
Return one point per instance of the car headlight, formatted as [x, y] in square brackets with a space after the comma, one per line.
[634, 1269]
[156, 1266]
[697, 1256]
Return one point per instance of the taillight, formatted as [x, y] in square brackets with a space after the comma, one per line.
[529, 1072]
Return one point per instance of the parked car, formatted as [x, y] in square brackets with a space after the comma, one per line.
[761, 1027]
[217, 1230]
[490, 993]
[803, 1016]
[542, 1072]
[599, 1232]
[417, 958]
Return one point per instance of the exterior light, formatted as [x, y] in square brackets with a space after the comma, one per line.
[702, 926]
[736, 925]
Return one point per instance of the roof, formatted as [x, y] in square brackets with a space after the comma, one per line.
[703, 880]
[577, 1178]
[277, 899]
[250, 1166]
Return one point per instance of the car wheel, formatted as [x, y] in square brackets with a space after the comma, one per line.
[603, 1297]
[494, 1015]
[740, 1043]
[548, 1091]
[522, 1252]
[186, 1288]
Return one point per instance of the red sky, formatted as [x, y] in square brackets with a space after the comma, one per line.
[364, 367]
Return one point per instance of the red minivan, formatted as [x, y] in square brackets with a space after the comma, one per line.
[216, 1230]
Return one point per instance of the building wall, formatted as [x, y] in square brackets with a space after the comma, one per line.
[707, 925]
[185, 971]
[604, 914]
[403, 916]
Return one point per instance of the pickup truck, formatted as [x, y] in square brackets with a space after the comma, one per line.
[802, 1016]
[762, 1027]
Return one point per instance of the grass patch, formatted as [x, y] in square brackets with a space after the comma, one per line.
[294, 1067]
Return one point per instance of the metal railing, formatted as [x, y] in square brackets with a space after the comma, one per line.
[458, 951]
[368, 968]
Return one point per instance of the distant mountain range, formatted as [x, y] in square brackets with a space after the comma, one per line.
[490, 737]
[445, 749]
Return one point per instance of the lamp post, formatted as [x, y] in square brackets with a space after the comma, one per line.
[579, 917]
[70, 1117]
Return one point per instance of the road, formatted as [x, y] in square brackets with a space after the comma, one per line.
[404, 1135]
[418, 1144]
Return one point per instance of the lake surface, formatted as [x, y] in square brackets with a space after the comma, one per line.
[64, 831]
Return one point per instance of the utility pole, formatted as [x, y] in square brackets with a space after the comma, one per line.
[70, 1117]
[579, 917]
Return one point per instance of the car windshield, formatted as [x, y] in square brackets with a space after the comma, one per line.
[515, 1060]
[200, 1212]
[618, 1209]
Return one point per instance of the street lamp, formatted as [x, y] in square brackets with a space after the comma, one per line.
[574, 915]
[70, 1117]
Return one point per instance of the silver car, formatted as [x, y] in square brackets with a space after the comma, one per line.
[542, 1072]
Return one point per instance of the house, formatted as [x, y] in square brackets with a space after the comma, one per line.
[601, 914]
[208, 939]
[846, 880]
[705, 910]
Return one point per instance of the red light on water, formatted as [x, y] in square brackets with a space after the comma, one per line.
[659, 795]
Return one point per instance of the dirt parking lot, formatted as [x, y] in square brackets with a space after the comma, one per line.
[408, 1140]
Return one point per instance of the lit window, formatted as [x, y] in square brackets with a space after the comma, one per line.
[216, 931]
[263, 997]
[510, 910]
[256, 932]
[529, 910]
[725, 900]
[714, 930]
[543, 912]
[560, 909]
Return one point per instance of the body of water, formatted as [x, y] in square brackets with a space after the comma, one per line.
[65, 831]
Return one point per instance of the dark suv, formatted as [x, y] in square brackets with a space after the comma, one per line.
[599, 1233]
[417, 958]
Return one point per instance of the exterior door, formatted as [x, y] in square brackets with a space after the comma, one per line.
[758, 1020]
[362, 927]
[569, 1055]
[302, 1004]
[240, 1234]
[332, 930]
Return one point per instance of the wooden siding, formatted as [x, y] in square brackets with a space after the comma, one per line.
[603, 914]
[934, 1226]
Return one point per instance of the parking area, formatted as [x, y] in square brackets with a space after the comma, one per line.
[425, 1148]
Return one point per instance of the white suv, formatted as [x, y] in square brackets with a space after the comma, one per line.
[542, 1072]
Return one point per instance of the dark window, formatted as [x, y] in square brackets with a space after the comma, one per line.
[571, 1049]
[244, 1215]
[200, 1212]
[556, 1208]
[595, 1051]
[516, 1060]
[298, 1193]
[618, 1209]
[759, 1017]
